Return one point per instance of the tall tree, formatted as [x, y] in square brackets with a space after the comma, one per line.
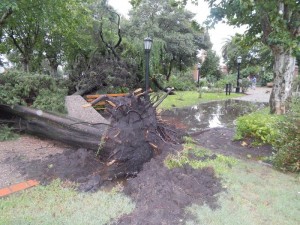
[276, 24]
[31, 27]
[256, 55]
[176, 36]
[210, 67]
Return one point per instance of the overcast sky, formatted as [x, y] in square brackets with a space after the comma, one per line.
[217, 35]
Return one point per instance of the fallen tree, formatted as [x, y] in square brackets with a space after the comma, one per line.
[57, 127]
[135, 134]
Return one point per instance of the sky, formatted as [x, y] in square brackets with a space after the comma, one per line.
[218, 35]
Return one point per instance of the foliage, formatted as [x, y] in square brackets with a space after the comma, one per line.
[43, 30]
[258, 125]
[181, 82]
[101, 73]
[254, 57]
[52, 101]
[41, 91]
[245, 85]
[228, 79]
[282, 132]
[57, 204]
[287, 157]
[176, 36]
[276, 25]
[6, 133]
[210, 66]
[266, 78]
[220, 163]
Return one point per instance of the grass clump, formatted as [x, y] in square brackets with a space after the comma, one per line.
[6, 133]
[54, 204]
[199, 157]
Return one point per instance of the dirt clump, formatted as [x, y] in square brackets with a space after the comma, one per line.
[161, 194]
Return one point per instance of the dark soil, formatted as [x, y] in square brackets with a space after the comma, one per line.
[161, 195]
[220, 140]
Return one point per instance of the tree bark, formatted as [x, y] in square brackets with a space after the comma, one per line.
[284, 73]
[61, 128]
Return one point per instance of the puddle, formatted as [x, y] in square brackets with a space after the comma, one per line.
[211, 114]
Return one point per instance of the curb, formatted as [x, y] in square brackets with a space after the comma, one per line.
[18, 187]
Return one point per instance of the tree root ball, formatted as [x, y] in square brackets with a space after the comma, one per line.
[136, 134]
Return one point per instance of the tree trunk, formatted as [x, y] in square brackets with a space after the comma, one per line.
[61, 128]
[284, 73]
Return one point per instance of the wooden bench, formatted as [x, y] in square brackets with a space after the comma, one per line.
[100, 105]
[90, 98]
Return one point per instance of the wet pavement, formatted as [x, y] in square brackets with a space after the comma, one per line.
[259, 94]
[212, 114]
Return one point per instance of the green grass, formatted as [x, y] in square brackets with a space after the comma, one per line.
[256, 195]
[6, 133]
[189, 98]
[54, 204]
[221, 164]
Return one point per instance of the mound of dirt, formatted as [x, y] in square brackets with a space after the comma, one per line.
[161, 194]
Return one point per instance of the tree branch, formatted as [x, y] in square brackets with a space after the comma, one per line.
[5, 16]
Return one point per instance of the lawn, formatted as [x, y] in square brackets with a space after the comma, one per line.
[189, 98]
[57, 204]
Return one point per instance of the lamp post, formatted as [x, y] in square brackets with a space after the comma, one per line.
[238, 60]
[147, 47]
[199, 67]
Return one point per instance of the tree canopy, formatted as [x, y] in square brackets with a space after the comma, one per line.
[277, 25]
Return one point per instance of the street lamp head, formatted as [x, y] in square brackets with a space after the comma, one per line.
[239, 59]
[147, 43]
[199, 66]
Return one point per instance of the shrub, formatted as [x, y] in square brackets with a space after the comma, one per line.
[245, 84]
[229, 79]
[266, 78]
[181, 83]
[282, 132]
[41, 91]
[258, 125]
[287, 146]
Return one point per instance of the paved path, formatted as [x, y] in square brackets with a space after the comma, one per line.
[74, 105]
[260, 94]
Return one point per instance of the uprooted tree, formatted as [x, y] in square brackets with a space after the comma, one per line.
[135, 133]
